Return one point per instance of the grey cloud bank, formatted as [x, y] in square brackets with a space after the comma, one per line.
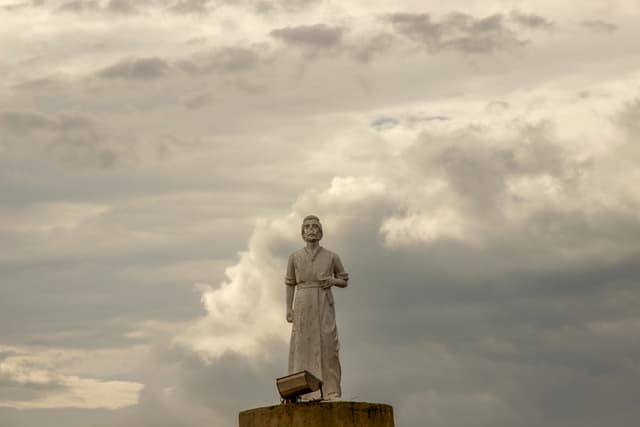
[138, 69]
[461, 32]
[152, 189]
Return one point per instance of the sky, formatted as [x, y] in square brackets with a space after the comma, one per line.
[474, 164]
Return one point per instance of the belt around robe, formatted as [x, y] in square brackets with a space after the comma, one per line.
[310, 284]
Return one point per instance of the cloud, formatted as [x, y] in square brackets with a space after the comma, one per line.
[628, 118]
[243, 313]
[27, 383]
[124, 7]
[191, 6]
[457, 31]
[536, 227]
[77, 6]
[366, 49]
[530, 20]
[17, 6]
[230, 59]
[598, 26]
[71, 138]
[314, 37]
[136, 69]
[24, 121]
[487, 217]
[199, 100]
[382, 123]
[497, 106]
[325, 39]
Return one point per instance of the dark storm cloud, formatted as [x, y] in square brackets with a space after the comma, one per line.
[599, 26]
[138, 69]
[317, 37]
[457, 31]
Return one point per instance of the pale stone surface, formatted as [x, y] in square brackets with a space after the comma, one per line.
[319, 414]
[311, 273]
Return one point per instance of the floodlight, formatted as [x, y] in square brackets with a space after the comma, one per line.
[294, 385]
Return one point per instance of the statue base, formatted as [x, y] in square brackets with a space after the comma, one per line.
[319, 414]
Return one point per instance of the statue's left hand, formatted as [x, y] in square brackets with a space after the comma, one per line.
[326, 282]
[329, 281]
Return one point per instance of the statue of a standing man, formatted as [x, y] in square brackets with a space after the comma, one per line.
[311, 272]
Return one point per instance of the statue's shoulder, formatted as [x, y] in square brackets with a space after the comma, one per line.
[297, 254]
[329, 253]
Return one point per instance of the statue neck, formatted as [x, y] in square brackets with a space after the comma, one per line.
[313, 245]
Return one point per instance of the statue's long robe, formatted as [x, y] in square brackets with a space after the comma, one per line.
[314, 337]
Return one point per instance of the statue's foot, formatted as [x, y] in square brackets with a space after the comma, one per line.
[332, 398]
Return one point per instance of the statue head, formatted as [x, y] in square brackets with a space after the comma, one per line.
[311, 229]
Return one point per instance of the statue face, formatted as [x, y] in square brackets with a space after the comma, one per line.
[311, 230]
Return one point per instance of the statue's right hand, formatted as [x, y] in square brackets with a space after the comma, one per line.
[290, 316]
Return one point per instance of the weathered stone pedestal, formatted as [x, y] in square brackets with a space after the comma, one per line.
[319, 414]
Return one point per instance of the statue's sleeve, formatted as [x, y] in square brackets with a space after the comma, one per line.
[338, 269]
[290, 277]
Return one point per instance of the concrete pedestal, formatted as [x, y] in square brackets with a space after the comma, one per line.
[319, 414]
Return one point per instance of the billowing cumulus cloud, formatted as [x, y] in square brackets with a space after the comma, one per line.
[406, 230]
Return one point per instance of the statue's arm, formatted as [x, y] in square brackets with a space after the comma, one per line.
[290, 282]
[290, 290]
[340, 276]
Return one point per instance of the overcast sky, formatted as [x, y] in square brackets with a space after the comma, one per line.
[474, 163]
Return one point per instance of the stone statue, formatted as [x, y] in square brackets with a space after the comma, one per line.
[311, 272]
